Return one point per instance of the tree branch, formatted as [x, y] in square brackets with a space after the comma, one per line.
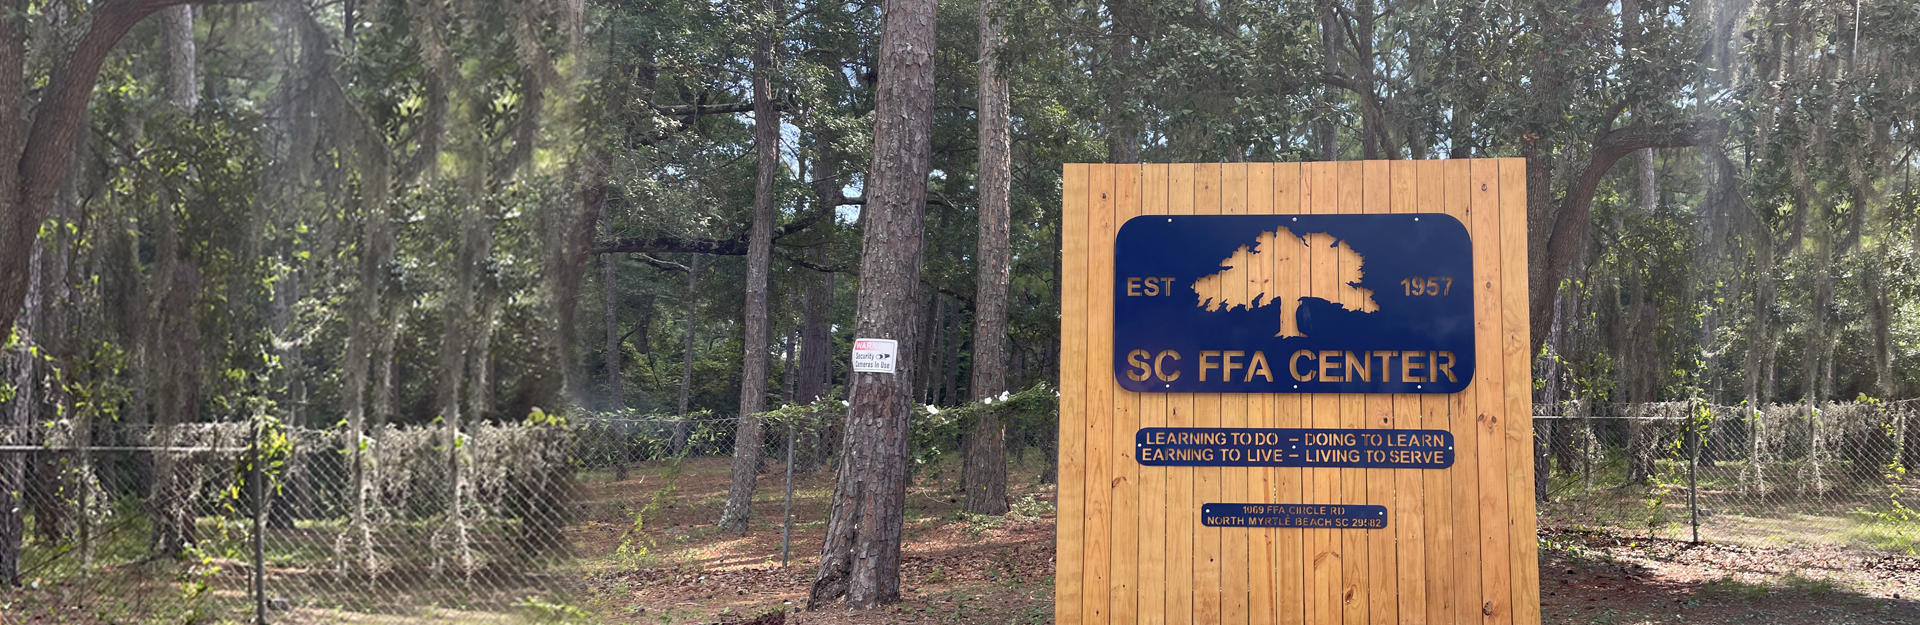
[710, 109]
[663, 265]
[49, 144]
[731, 246]
[1569, 226]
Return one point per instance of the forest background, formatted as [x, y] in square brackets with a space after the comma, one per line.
[370, 212]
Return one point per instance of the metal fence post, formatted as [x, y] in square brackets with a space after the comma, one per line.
[786, 530]
[258, 476]
[1693, 472]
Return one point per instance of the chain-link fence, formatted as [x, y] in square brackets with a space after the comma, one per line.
[233, 522]
[251, 521]
[1835, 474]
[236, 522]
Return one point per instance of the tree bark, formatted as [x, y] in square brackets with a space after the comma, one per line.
[753, 376]
[680, 429]
[183, 72]
[950, 357]
[860, 557]
[1370, 126]
[1123, 126]
[986, 462]
[1325, 139]
[616, 399]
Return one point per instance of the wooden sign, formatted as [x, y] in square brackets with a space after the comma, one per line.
[1284, 400]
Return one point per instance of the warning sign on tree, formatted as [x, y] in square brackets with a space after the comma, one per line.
[875, 355]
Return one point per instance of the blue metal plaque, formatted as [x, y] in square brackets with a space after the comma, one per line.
[1293, 304]
[1306, 515]
[1293, 447]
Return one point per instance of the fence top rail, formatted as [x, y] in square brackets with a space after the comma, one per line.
[1540, 417]
[123, 449]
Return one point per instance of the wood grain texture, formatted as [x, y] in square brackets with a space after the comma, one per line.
[1099, 391]
[1290, 549]
[1153, 412]
[1459, 547]
[1464, 549]
[1074, 367]
[1437, 412]
[1125, 565]
[1183, 504]
[1321, 195]
[1260, 414]
[1523, 543]
[1353, 482]
[1409, 494]
[1383, 573]
[1234, 544]
[1496, 593]
[1206, 482]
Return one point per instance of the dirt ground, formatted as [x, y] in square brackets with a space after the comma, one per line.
[674, 568]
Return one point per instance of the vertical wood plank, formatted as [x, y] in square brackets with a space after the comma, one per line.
[1152, 603]
[1435, 413]
[1408, 516]
[1207, 540]
[1463, 563]
[1124, 484]
[1234, 556]
[1098, 534]
[1183, 505]
[1070, 504]
[1260, 564]
[1382, 573]
[1353, 482]
[1323, 603]
[1496, 591]
[1523, 559]
[1290, 549]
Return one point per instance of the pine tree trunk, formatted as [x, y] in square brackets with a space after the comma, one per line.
[860, 557]
[616, 399]
[816, 364]
[1326, 141]
[747, 437]
[681, 428]
[1123, 126]
[986, 461]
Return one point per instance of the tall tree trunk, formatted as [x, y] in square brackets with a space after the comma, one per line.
[747, 437]
[616, 399]
[986, 462]
[15, 415]
[950, 357]
[1326, 141]
[1123, 125]
[1371, 129]
[860, 556]
[1880, 313]
[925, 372]
[816, 331]
[682, 427]
[178, 286]
[183, 72]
